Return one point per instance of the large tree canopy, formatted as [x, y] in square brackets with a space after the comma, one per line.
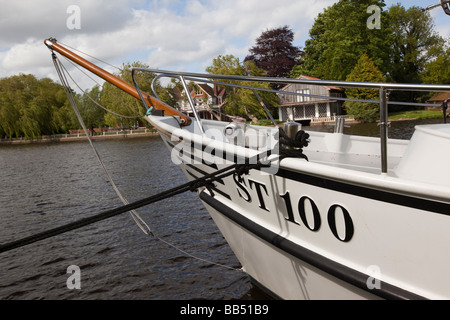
[364, 71]
[122, 103]
[340, 35]
[30, 107]
[402, 46]
[438, 70]
[415, 43]
[274, 52]
[92, 114]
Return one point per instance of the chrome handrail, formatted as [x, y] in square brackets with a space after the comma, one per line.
[334, 83]
[383, 88]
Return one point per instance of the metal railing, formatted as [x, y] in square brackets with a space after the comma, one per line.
[233, 81]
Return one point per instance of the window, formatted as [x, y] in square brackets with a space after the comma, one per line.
[303, 98]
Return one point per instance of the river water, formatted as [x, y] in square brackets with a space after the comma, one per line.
[48, 185]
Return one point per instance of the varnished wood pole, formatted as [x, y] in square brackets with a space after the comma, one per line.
[119, 83]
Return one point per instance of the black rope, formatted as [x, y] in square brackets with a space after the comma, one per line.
[204, 181]
[292, 148]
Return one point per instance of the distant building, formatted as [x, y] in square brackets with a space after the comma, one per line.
[305, 108]
[209, 101]
[439, 98]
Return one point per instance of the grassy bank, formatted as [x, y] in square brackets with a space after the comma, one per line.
[415, 114]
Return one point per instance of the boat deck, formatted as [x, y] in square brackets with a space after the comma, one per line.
[353, 152]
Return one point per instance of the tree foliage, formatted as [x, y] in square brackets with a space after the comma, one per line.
[415, 43]
[93, 115]
[402, 47]
[121, 103]
[438, 71]
[239, 101]
[30, 107]
[338, 38]
[274, 52]
[364, 71]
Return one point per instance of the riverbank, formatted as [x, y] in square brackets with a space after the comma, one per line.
[82, 137]
[399, 116]
[417, 115]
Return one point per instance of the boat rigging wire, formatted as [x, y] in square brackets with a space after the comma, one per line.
[60, 70]
[86, 54]
[90, 98]
[203, 182]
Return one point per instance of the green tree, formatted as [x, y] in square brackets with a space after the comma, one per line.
[124, 104]
[438, 71]
[364, 71]
[30, 107]
[240, 101]
[415, 43]
[93, 115]
[9, 114]
[64, 117]
[338, 38]
[226, 64]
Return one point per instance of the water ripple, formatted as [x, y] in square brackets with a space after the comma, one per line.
[49, 185]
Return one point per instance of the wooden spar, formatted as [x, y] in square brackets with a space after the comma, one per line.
[119, 83]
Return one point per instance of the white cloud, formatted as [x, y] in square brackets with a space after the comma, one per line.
[210, 28]
[165, 34]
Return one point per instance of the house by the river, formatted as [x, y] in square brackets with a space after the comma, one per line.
[303, 106]
[209, 101]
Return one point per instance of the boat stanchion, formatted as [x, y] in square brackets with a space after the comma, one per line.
[292, 140]
[340, 124]
[444, 109]
[291, 129]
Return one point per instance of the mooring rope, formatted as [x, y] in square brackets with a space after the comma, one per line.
[194, 185]
[206, 181]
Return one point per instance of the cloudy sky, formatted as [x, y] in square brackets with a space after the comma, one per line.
[182, 35]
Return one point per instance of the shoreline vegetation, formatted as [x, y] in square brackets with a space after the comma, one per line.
[144, 132]
[81, 136]
[407, 50]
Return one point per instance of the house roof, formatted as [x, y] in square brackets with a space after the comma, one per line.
[439, 97]
[207, 89]
[215, 91]
[305, 77]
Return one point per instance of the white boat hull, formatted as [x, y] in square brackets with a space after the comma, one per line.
[340, 217]
[315, 231]
[276, 270]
